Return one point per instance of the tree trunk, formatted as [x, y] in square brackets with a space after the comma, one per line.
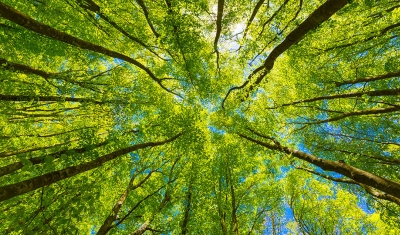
[360, 176]
[16, 189]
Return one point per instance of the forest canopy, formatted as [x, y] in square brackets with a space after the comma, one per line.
[200, 117]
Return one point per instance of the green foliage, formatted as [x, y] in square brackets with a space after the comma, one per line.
[334, 94]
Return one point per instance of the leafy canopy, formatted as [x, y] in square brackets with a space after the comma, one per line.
[199, 117]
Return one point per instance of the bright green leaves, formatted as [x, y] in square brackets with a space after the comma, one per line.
[62, 106]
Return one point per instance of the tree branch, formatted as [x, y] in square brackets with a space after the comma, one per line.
[352, 114]
[146, 14]
[387, 92]
[320, 15]
[37, 27]
[369, 79]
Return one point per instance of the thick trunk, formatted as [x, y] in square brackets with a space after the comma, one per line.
[16, 189]
[360, 176]
[320, 15]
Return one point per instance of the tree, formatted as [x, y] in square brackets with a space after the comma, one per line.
[199, 117]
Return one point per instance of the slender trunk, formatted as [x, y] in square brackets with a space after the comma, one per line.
[24, 68]
[273, 225]
[146, 15]
[188, 206]
[220, 11]
[355, 113]
[16, 189]
[273, 16]
[164, 202]
[233, 199]
[320, 15]
[221, 213]
[107, 224]
[369, 79]
[368, 189]
[387, 92]
[253, 15]
[44, 136]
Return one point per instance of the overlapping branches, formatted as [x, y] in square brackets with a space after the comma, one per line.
[37, 27]
[320, 15]
[93, 7]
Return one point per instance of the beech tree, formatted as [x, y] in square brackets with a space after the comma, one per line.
[199, 117]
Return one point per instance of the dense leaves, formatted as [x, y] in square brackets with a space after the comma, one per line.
[199, 117]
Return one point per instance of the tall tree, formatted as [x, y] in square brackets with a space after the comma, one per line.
[199, 117]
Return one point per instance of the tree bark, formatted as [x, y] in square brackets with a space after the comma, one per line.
[188, 207]
[363, 177]
[273, 16]
[12, 153]
[253, 15]
[220, 11]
